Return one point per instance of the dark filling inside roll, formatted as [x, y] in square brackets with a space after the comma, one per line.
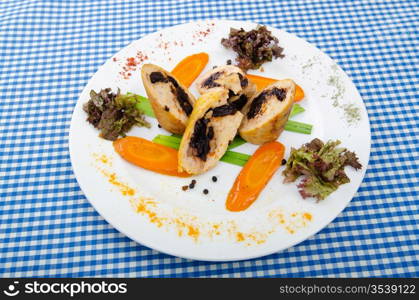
[203, 134]
[243, 81]
[257, 103]
[240, 103]
[237, 102]
[210, 81]
[183, 99]
[181, 96]
[224, 110]
[157, 77]
[201, 137]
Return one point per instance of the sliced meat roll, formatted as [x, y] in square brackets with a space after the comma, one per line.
[172, 103]
[231, 78]
[212, 125]
[267, 112]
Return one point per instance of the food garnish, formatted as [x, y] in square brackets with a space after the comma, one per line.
[144, 104]
[296, 109]
[149, 155]
[192, 184]
[255, 175]
[322, 166]
[253, 47]
[299, 93]
[262, 82]
[188, 69]
[298, 127]
[236, 142]
[114, 114]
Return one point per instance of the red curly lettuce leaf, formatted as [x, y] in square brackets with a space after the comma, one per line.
[322, 167]
[253, 47]
[113, 114]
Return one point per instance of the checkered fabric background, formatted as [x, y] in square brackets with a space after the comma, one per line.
[49, 50]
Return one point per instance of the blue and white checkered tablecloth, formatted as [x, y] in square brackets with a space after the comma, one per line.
[48, 51]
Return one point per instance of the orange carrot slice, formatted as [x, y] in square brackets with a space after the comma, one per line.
[149, 155]
[299, 93]
[254, 176]
[262, 82]
[190, 67]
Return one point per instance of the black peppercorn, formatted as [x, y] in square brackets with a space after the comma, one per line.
[192, 184]
[205, 192]
[214, 178]
[283, 162]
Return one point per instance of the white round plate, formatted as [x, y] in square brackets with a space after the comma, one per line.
[153, 210]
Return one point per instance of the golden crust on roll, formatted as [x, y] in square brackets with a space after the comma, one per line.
[267, 112]
[212, 126]
[230, 78]
[172, 103]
